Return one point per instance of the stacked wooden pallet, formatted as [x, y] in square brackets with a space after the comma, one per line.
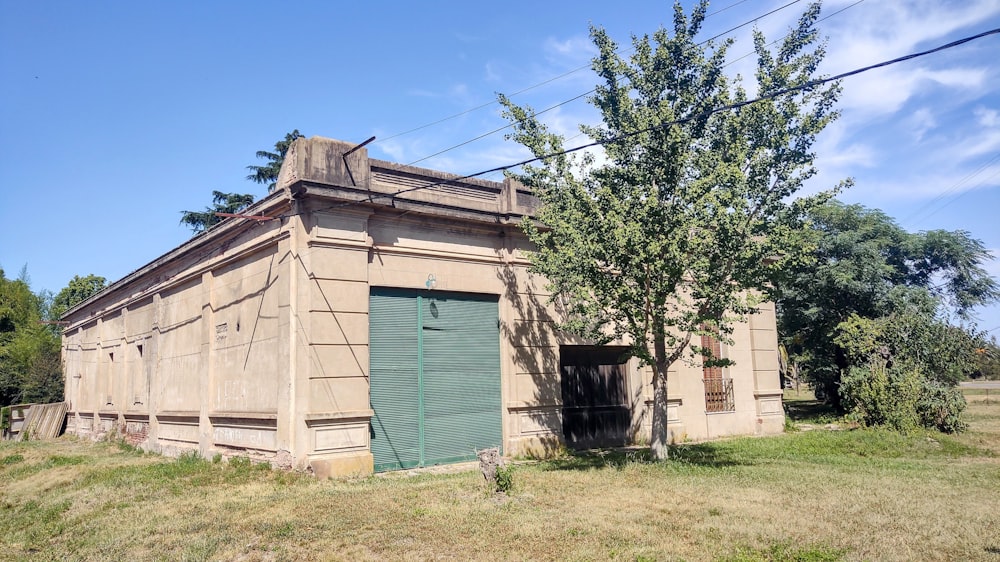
[34, 421]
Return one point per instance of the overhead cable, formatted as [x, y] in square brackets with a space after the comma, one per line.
[563, 75]
[955, 187]
[592, 90]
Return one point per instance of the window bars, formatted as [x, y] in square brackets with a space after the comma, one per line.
[719, 395]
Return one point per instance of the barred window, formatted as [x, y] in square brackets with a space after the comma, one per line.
[718, 388]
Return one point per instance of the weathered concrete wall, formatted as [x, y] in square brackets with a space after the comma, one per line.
[191, 351]
[333, 409]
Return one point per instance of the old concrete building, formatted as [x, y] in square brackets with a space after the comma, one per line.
[382, 318]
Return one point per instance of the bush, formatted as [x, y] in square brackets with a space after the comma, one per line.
[901, 399]
[881, 396]
[503, 480]
[941, 406]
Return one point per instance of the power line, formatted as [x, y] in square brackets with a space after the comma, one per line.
[772, 43]
[482, 106]
[748, 22]
[946, 192]
[806, 86]
[592, 90]
[494, 131]
[560, 77]
[959, 196]
[720, 10]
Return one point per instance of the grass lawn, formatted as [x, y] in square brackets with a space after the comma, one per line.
[806, 495]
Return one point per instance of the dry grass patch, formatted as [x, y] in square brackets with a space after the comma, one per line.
[817, 495]
[984, 423]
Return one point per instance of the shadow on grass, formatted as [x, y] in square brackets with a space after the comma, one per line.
[810, 411]
[695, 454]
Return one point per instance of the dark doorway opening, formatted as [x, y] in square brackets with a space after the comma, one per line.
[595, 397]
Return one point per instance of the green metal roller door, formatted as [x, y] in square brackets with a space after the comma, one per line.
[435, 377]
[394, 374]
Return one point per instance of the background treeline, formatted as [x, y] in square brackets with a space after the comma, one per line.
[880, 320]
[30, 358]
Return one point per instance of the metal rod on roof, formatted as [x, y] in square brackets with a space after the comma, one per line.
[348, 153]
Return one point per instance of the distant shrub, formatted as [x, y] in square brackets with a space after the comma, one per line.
[190, 458]
[901, 399]
[240, 463]
[787, 552]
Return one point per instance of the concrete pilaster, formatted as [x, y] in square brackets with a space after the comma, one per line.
[205, 386]
[153, 374]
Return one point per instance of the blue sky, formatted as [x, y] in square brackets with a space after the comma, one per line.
[115, 116]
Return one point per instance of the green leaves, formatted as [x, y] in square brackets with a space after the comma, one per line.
[268, 173]
[222, 203]
[78, 290]
[903, 284]
[30, 369]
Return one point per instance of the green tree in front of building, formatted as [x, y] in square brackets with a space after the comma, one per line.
[676, 230]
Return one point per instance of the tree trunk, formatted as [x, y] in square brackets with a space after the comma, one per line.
[659, 442]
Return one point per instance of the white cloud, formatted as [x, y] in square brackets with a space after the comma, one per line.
[885, 91]
[458, 93]
[968, 78]
[491, 73]
[855, 145]
[921, 121]
[490, 153]
[839, 156]
[877, 31]
[394, 149]
[850, 156]
[920, 129]
[577, 48]
[988, 142]
[987, 117]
